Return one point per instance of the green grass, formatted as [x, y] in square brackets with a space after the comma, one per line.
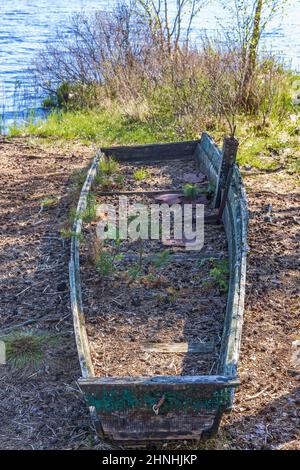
[48, 202]
[260, 147]
[191, 191]
[26, 349]
[141, 174]
[109, 167]
[101, 126]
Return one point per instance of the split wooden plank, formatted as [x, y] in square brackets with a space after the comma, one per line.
[229, 152]
[196, 348]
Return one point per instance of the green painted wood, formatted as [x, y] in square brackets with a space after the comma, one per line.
[141, 395]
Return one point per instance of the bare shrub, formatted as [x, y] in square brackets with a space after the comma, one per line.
[141, 60]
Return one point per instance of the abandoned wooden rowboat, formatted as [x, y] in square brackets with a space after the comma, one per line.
[131, 409]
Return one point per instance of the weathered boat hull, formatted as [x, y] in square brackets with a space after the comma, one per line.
[192, 406]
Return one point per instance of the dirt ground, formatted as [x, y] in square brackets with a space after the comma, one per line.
[44, 409]
[176, 301]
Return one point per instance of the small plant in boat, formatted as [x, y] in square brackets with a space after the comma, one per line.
[119, 180]
[89, 213]
[109, 166]
[191, 191]
[141, 174]
[48, 202]
[25, 348]
[67, 233]
[134, 272]
[104, 261]
[136, 269]
[105, 264]
[161, 259]
[107, 182]
[218, 273]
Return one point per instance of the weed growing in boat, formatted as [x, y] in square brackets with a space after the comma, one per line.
[103, 260]
[191, 191]
[141, 174]
[89, 213]
[136, 270]
[109, 166]
[106, 183]
[26, 348]
[218, 273]
[161, 259]
[48, 202]
[105, 264]
[67, 233]
[119, 180]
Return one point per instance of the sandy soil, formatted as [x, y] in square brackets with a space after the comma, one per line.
[44, 409]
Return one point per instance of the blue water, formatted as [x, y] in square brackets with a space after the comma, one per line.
[25, 26]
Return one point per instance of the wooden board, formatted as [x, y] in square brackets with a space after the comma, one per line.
[153, 152]
[178, 347]
[126, 427]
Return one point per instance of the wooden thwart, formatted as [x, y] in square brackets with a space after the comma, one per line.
[178, 347]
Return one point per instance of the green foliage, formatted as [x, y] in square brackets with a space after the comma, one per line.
[89, 214]
[48, 202]
[106, 183]
[26, 349]
[218, 273]
[49, 102]
[67, 233]
[191, 191]
[161, 259]
[105, 261]
[105, 264]
[294, 166]
[109, 166]
[141, 174]
[108, 127]
[134, 272]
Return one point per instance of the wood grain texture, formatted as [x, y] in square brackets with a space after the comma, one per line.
[178, 347]
[153, 152]
[128, 427]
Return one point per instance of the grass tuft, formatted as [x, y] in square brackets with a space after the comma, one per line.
[141, 174]
[26, 349]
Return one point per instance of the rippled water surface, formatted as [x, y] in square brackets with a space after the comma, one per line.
[25, 26]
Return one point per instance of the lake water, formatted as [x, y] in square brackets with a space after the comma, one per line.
[26, 25]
